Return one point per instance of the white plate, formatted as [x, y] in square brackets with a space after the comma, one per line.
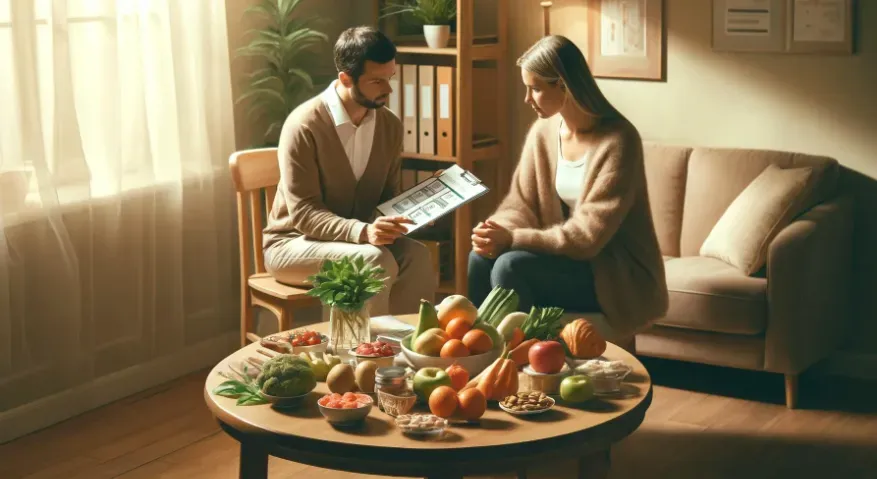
[527, 413]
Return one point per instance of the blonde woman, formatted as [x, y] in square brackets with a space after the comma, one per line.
[575, 229]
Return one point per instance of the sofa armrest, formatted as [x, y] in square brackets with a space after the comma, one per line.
[809, 268]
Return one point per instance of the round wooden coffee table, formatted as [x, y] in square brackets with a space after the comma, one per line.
[500, 443]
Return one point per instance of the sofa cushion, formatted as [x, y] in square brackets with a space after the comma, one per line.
[743, 233]
[666, 168]
[716, 176]
[707, 294]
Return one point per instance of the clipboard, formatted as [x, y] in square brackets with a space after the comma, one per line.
[435, 197]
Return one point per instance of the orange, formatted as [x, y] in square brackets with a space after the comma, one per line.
[443, 401]
[459, 376]
[457, 328]
[477, 341]
[472, 404]
[454, 349]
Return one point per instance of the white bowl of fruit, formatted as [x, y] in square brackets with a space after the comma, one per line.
[378, 351]
[294, 342]
[449, 334]
[345, 409]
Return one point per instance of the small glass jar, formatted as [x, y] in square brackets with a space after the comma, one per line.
[391, 380]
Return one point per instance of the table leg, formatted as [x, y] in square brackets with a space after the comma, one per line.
[595, 465]
[522, 473]
[254, 462]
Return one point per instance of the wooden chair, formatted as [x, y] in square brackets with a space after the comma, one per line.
[255, 171]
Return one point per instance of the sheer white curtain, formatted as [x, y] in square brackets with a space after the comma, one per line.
[116, 214]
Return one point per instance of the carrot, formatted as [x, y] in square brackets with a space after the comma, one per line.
[517, 338]
[504, 381]
[519, 354]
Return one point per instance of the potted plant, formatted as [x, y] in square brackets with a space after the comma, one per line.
[435, 15]
[345, 285]
[287, 49]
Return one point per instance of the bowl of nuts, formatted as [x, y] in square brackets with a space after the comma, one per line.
[421, 424]
[526, 403]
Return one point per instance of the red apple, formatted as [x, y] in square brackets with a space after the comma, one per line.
[547, 357]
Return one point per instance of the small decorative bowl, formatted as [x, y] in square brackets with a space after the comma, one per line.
[528, 413]
[396, 405]
[606, 376]
[285, 402]
[346, 417]
[421, 424]
[381, 361]
[546, 383]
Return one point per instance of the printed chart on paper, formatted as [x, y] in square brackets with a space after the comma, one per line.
[435, 197]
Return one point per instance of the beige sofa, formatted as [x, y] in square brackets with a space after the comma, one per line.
[784, 317]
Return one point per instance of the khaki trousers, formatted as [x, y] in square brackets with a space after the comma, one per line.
[407, 262]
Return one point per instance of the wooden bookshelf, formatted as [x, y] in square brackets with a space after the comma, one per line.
[480, 109]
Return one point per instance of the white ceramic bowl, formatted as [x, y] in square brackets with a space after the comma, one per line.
[473, 364]
[346, 417]
[381, 361]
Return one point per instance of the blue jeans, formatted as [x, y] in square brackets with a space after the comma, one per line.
[539, 279]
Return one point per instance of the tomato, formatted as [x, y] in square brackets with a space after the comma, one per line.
[335, 404]
[313, 341]
[324, 401]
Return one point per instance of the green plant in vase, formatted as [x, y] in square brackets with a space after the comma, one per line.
[435, 15]
[346, 285]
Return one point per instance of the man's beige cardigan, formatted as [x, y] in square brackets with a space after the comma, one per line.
[318, 195]
[611, 227]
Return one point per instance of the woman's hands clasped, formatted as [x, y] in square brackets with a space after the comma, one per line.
[489, 239]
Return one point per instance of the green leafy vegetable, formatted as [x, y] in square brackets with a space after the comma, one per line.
[240, 386]
[543, 323]
[347, 283]
[499, 303]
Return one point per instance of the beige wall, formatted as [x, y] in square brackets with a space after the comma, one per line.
[813, 104]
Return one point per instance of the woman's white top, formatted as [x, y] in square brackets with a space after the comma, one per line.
[570, 178]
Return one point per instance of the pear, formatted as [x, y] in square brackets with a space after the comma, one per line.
[428, 320]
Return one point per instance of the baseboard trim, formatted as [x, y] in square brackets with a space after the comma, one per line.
[72, 402]
[849, 364]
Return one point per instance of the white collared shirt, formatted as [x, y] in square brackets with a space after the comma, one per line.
[357, 140]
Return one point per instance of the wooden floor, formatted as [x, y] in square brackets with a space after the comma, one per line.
[703, 423]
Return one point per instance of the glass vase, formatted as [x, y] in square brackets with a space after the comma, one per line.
[348, 328]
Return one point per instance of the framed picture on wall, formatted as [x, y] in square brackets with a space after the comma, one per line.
[626, 39]
[749, 25]
[783, 26]
[820, 26]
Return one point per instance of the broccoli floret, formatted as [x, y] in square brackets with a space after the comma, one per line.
[286, 375]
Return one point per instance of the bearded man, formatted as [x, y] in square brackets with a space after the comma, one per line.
[340, 157]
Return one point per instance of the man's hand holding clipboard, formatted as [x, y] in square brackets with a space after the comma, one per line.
[442, 193]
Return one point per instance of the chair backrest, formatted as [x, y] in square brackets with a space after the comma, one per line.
[691, 187]
[253, 172]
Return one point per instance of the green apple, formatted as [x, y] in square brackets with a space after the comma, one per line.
[427, 379]
[576, 389]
